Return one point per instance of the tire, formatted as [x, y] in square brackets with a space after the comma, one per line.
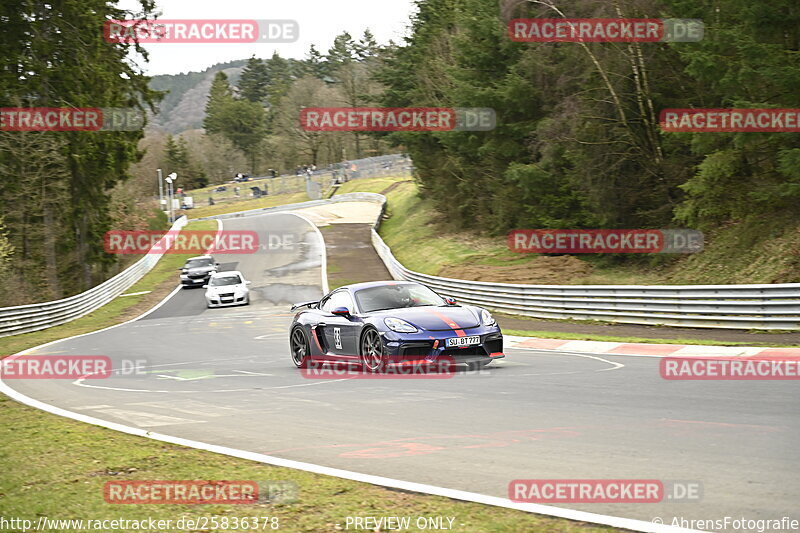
[372, 351]
[301, 349]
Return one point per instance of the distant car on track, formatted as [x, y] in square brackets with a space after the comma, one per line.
[382, 323]
[227, 288]
[197, 270]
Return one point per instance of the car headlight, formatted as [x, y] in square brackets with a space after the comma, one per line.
[398, 325]
[487, 318]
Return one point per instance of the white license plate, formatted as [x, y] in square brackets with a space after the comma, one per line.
[458, 342]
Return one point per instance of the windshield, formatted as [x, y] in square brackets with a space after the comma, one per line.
[196, 263]
[225, 280]
[396, 296]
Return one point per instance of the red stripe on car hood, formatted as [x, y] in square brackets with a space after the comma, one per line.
[449, 321]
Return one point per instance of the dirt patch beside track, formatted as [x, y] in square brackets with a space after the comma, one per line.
[549, 270]
[351, 257]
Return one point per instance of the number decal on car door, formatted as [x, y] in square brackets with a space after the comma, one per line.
[337, 338]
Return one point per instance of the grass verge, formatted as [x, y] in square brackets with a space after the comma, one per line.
[638, 340]
[748, 251]
[369, 184]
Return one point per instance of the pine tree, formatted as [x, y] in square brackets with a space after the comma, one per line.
[367, 47]
[219, 95]
[280, 75]
[254, 82]
[315, 63]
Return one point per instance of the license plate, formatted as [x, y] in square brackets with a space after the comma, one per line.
[458, 342]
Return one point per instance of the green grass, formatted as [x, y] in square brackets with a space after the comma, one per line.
[369, 184]
[638, 340]
[420, 243]
[754, 251]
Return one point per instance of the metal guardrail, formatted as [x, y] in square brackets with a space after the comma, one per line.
[34, 317]
[764, 306]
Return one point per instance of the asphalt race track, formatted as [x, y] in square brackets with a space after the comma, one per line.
[224, 376]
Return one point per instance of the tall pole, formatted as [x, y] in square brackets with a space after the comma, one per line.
[160, 190]
[171, 215]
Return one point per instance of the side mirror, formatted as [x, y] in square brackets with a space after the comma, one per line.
[248, 282]
[341, 311]
[205, 286]
[216, 265]
[449, 300]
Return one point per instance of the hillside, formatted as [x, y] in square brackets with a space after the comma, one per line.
[766, 251]
[183, 106]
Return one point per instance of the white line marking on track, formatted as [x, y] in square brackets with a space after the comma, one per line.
[614, 366]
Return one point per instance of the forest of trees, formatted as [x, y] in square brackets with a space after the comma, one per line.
[577, 142]
[55, 201]
[260, 115]
[251, 114]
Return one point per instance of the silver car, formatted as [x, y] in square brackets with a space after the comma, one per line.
[227, 288]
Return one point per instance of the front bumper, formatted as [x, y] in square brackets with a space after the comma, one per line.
[227, 302]
[194, 282]
[426, 348]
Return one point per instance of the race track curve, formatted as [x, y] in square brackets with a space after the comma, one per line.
[224, 376]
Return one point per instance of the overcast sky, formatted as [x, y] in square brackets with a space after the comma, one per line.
[319, 20]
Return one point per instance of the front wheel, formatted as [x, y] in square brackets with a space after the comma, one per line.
[373, 353]
[301, 351]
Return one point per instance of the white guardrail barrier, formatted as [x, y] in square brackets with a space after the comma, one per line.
[764, 306]
[33, 317]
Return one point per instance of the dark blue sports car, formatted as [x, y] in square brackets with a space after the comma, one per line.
[383, 323]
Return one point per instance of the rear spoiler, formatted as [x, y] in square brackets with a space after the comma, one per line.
[304, 304]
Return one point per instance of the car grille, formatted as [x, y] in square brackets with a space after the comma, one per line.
[469, 350]
[418, 351]
[227, 295]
